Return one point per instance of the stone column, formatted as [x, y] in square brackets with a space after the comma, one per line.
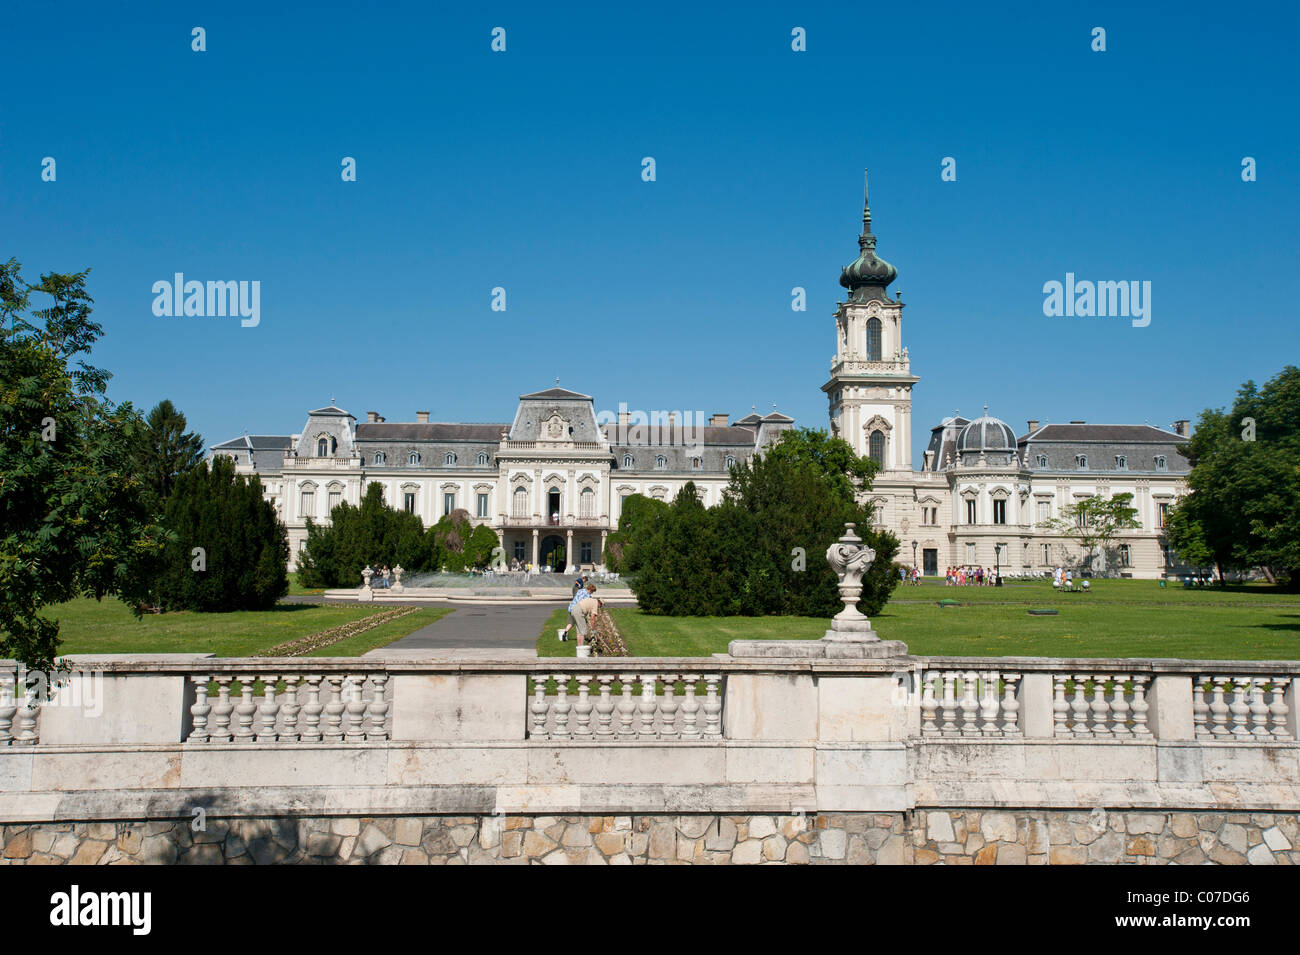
[600, 563]
[534, 548]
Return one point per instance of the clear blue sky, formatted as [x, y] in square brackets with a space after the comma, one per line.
[523, 170]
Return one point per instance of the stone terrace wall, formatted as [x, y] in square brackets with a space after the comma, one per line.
[951, 836]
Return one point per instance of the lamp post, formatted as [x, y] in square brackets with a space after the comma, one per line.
[914, 553]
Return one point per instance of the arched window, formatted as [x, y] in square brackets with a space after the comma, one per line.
[1121, 462]
[482, 459]
[379, 457]
[873, 339]
[1160, 462]
[697, 463]
[1081, 462]
[627, 460]
[413, 458]
[450, 459]
[587, 503]
[661, 462]
[731, 461]
[1042, 460]
[876, 447]
[520, 502]
[322, 447]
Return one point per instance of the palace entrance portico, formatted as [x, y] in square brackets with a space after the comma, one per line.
[533, 541]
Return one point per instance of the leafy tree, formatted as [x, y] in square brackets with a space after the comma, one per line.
[72, 516]
[1094, 523]
[637, 524]
[372, 534]
[164, 450]
[1244, 505]
[228, 549]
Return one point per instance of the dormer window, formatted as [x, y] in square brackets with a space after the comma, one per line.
[696, 464]
[661, 462]
[450, 459]
[482, 459]
[413, 457]
[627, 460]
[731, 461]
[1042, 460]
[1160, 462]
[322, 447]
[1121, 462]
[380, 457]
[1081, 462]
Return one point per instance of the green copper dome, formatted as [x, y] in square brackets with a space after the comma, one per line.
[868, 275]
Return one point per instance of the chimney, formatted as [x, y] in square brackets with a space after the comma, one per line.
[372, 416]
[1182, 428]
[422, 417]
[719, 419]
[1033, 425]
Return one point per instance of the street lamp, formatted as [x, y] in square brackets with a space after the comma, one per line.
[913, 553]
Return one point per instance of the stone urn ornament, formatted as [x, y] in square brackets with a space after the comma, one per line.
[366, 593]
[850, 559]
[397, 579]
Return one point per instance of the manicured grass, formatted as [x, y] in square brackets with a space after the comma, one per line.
[1119, 618]
[296, 589]
[89, 626]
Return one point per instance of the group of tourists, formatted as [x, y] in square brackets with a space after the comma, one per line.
[909, 575]
[1064, 577]
[379, 576]
[968, 576]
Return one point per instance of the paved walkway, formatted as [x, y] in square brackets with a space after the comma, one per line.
[508, 626]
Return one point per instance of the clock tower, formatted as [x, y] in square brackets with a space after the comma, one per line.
[870, 388]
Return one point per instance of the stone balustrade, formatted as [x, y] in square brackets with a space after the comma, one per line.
[647, 707]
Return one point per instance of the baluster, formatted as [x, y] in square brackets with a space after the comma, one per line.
[1100, 707]
[646, 708]
[268, 711]
[668, 707]
[198, 712]
[1278, 709]
[334, 709]
[1140, 706]
[712, 706]
[25, 728]
[969, 705]
[221, 711]
[1218, 708]
[929, 705]
[604, 706]
[1200, 709]
[690, 708]
[582, 709]
[626, 705]
[1240, 709]
[1119, 707]
[989, 705]
[356, 708]
[1079, 706]
[539, 707]
[1060, 707]
[1258, 709]
[245, 710]
[311, 710]
[1010, 705]
[562, 706]
[378, 708]
[289, 709]
[949, 727]
[8, 680]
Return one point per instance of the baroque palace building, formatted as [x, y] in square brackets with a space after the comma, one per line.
[558, 474]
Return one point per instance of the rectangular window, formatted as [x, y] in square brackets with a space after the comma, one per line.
[1125, 556]
[586, 552]
[408, 501]
[970, 512]
[335, 498]
[519, 550]
[970, 553]
[999, 512]
[1162, 514]
[482, 505]
[1046, 556]
[449, 502]
[1001, 551]
[308, 503]
[1044, 511]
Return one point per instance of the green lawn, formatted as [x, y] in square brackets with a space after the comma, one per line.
[1119, 618]
[88, 626]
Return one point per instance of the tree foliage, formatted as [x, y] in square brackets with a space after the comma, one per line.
[763, 549]
[163, 451]
[228, 549]
[1244, 507]
[73, 520]
[1095, 523]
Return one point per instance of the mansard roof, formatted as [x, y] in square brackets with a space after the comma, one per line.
[432, 431]
[1107, 433]
[556, 393]
[331, 411]
[256, 442]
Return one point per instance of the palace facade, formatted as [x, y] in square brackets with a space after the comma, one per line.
[557, 474]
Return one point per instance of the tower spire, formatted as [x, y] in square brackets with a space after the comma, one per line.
[866, 206]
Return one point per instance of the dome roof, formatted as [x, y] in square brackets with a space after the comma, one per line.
[987, 433]
[867, 276]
